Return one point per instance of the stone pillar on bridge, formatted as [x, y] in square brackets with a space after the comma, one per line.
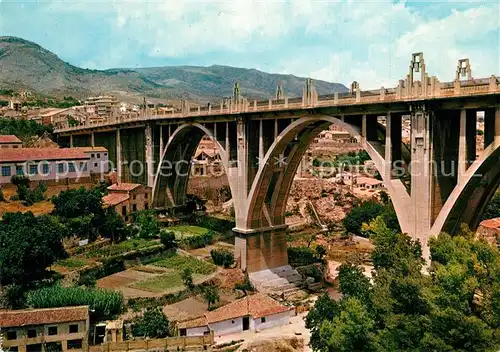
[92, 139]
[421, 174]
[71, 141]
[149, 155]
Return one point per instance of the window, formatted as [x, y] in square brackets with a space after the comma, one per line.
[182, 332]
[232, 321]
[98, 156]
[19, 170]
[5, 170]
[73, 328]
[61, 168]
[34, 348]
[133, 197]
[95, 164]
[71, 167]
[12, 335]
[263, 319]
[145, 196]
[45, 169]
[146, 205]
[134, 207]
[52, 330]
[13, 349]
[74, 344]
[105, 154]
[124, 210]
[83, 166]
[92, 155]
[31, 333]
[33, 169]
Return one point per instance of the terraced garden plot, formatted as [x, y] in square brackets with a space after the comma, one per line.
[165, 283]
[184, 231]
[181, 262]
[73, 262]
[121, 247]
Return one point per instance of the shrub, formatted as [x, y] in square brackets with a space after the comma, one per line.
[216, 224]
[153, 324]
[300, 256]
[222, 257]
[198, 241]
[167, 238]
[103, 304]
[187, 278]
[311, 271]
[364, 213]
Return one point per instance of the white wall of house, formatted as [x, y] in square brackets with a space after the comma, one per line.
[37, 172]
[198, 331]
[227, 326]
[98, 162]
[272, 320]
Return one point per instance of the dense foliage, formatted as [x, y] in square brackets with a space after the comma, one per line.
[82, 211]
[103, 304]
[23, 129]
[455, 307]
[28, 245]
[153, 324]
[25, 193]
[211, 295]
[198, 240]
[363, 213]
[222, 257]
[300, 256]
[167, 238]
[493, 207]
[147, 224]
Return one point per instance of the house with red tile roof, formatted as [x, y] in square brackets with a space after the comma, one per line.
[29, 330]
[10, 141]
[53, 164]
[255, 312]
[127, 198]
[490, 230]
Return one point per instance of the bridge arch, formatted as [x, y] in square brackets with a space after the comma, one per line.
[468, 200]
[270, 189]
[174, 168]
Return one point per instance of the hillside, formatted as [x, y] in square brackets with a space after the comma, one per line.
[24, 64]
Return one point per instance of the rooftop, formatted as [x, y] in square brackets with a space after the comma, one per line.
[491, 223]
[124, 187]
[24, 317]
[368, 180]
[113, 199]
[8, 139]
[92, 149]
[257, 306]
[39, 154]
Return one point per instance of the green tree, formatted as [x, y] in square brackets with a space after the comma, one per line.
[211, 295]
[493, 207]
[187, 278]
[153, 324]
[147, 224]
[364, 213]
[28, 245]
[167, 238]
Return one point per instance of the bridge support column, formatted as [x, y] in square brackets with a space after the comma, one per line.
[261, 249]
[489, 126]
[92, 139]
[71, 141]
[421, 176]
[118, 157]
[149, 156]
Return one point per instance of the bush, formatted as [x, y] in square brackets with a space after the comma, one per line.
[216, 224]
[300, 256]
[311, 271]
[167, 238]
[103, 304]
[198, 241]
[149, 226]
[222, 257]
[364, 213]
[153, 324]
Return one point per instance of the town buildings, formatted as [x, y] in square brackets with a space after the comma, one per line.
[127, 198]
[490, 230]
[35, 330]
[103, 105]
[253, 312]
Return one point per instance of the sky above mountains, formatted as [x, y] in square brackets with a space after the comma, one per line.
[339, 41]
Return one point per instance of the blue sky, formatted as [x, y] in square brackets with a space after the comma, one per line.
[341, 41]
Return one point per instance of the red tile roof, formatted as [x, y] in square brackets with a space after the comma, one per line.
[124, 187]
[256, 306]
[39, 154]
[113, 199]
[491, 223]
[8, 139]
[92, 149]
[16, 318]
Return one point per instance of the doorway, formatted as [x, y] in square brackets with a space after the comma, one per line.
[246, 323]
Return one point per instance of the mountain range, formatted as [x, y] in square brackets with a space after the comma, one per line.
[26, 65]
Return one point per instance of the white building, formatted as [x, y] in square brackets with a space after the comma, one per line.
[52, 164]
[254, 312]
[10, 141]
[369, 183]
